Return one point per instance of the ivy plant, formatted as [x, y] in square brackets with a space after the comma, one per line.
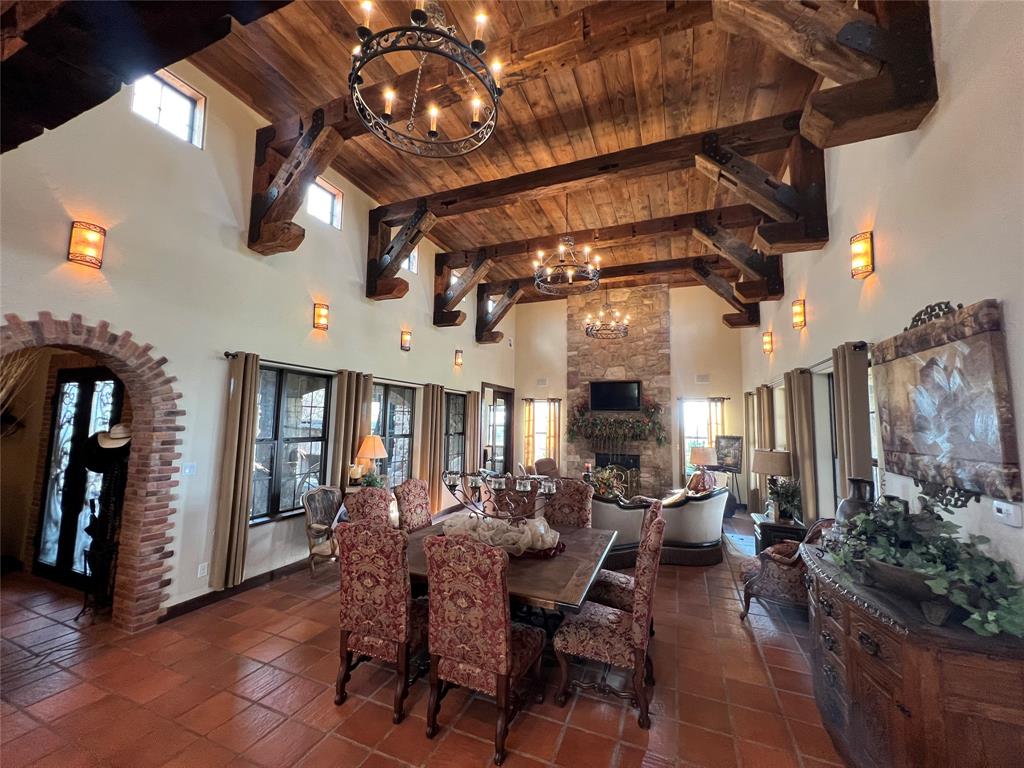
[928, 543]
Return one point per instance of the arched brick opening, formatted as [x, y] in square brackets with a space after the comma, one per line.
[142, 569]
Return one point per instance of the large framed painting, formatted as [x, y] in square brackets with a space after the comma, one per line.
[944, 402]
[730, 453]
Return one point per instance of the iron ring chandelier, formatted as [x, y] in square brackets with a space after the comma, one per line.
[427, 36]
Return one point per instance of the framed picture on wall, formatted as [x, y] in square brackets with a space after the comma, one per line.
[730, 453]
[944, 402]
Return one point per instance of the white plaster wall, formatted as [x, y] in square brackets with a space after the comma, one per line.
[177, 274]
[541, 346]
[946, 204]
[701, 344]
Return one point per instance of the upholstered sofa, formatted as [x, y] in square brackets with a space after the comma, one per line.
[693, 527]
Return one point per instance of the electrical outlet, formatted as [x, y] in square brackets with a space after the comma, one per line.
[188, 469]
[204, 571]
[1007, 514]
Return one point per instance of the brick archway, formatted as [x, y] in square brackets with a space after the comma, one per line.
[143, 552]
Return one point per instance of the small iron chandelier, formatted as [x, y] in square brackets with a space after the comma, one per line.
[428, 36]
[563, 273]
[609, 323]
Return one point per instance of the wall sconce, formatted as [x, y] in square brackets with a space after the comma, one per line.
[321, 314]
[862, 255]
[86, 244]
[800, 313]
[766, 342]
[406, 341]
[458, 358]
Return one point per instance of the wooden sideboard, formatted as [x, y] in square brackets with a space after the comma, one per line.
[897, 692]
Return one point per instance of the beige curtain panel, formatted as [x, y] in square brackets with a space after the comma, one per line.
[231, 532]
[853, 426]
[554, 439]
[750, 442]
[529, 449]
[764, 432]
[473, 445]
[432, 443]
[353, 396]
[800, 438]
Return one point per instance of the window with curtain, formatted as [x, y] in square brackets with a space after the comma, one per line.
[540, 429]
[695, 428]
[291, 441]
[455, 432]
[876, 440]
[393, 418]
[779, 403]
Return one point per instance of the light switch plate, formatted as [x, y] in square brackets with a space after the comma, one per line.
[1007, 514]
[188, 469]
[204, 571]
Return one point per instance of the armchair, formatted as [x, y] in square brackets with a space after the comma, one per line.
[776, 574]
[321, 506]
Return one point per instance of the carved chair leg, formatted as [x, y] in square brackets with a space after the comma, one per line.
[648, 670]
[402, 683]
[563, 681]
[644, 721]
[312, 566]
[538, 678]
[746, 600]
[501, 725]
[434, 699]
[344, 668]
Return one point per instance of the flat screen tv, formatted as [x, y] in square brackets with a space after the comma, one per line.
[615, 395]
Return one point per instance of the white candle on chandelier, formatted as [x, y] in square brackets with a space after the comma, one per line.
[561, 251]
[570, 272]
[389, 101]
[434, 111]
[476, 109]
[586, 254]
[597, 260]
[356, 51]
[367, 7]
[496, 72]
[481, 20]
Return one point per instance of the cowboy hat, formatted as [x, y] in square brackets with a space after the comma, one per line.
[118, 436]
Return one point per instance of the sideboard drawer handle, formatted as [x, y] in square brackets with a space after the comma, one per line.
[828, 641]
[868, 643]
[831, 676]
[827, 606]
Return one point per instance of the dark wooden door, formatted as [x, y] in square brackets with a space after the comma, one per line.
[86, 401]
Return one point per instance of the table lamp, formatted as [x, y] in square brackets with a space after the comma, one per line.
[771, 463]
[702, 481]
[371, 449]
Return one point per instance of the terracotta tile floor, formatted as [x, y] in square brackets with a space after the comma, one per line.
[248, 682]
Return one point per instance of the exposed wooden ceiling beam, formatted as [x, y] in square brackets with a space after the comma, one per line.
[576, 38]
[805, 32]
[731, 217]
[754, 137]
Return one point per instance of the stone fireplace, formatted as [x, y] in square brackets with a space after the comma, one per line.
[643, 355]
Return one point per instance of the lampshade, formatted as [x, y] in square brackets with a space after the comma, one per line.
[703, 456]
[372, 447]
[772, 463]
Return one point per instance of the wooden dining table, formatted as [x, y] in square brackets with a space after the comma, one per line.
[557, 583]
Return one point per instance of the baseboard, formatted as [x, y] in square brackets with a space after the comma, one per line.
[187, 606]
[704, 554]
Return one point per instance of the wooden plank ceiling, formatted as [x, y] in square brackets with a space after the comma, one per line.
[678, 83]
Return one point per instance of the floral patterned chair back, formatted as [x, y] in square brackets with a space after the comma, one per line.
[413, 504]
[570, 504]
[470, 622]
[522, 502]
[646, 575]
[375, 591]
[653, 513]
[369, 505]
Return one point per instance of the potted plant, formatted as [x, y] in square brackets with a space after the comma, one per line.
[785, 494]
[919, 555]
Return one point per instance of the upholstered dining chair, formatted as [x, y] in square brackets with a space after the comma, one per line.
[413, 498]
[615, 637]
[570, 504]
[321, 506]
[473, 642]
[548, 467]
[378, 617]
[614, 588]
[776, 574]
[369, 504]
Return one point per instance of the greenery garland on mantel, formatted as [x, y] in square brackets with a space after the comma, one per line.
[584, 424]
